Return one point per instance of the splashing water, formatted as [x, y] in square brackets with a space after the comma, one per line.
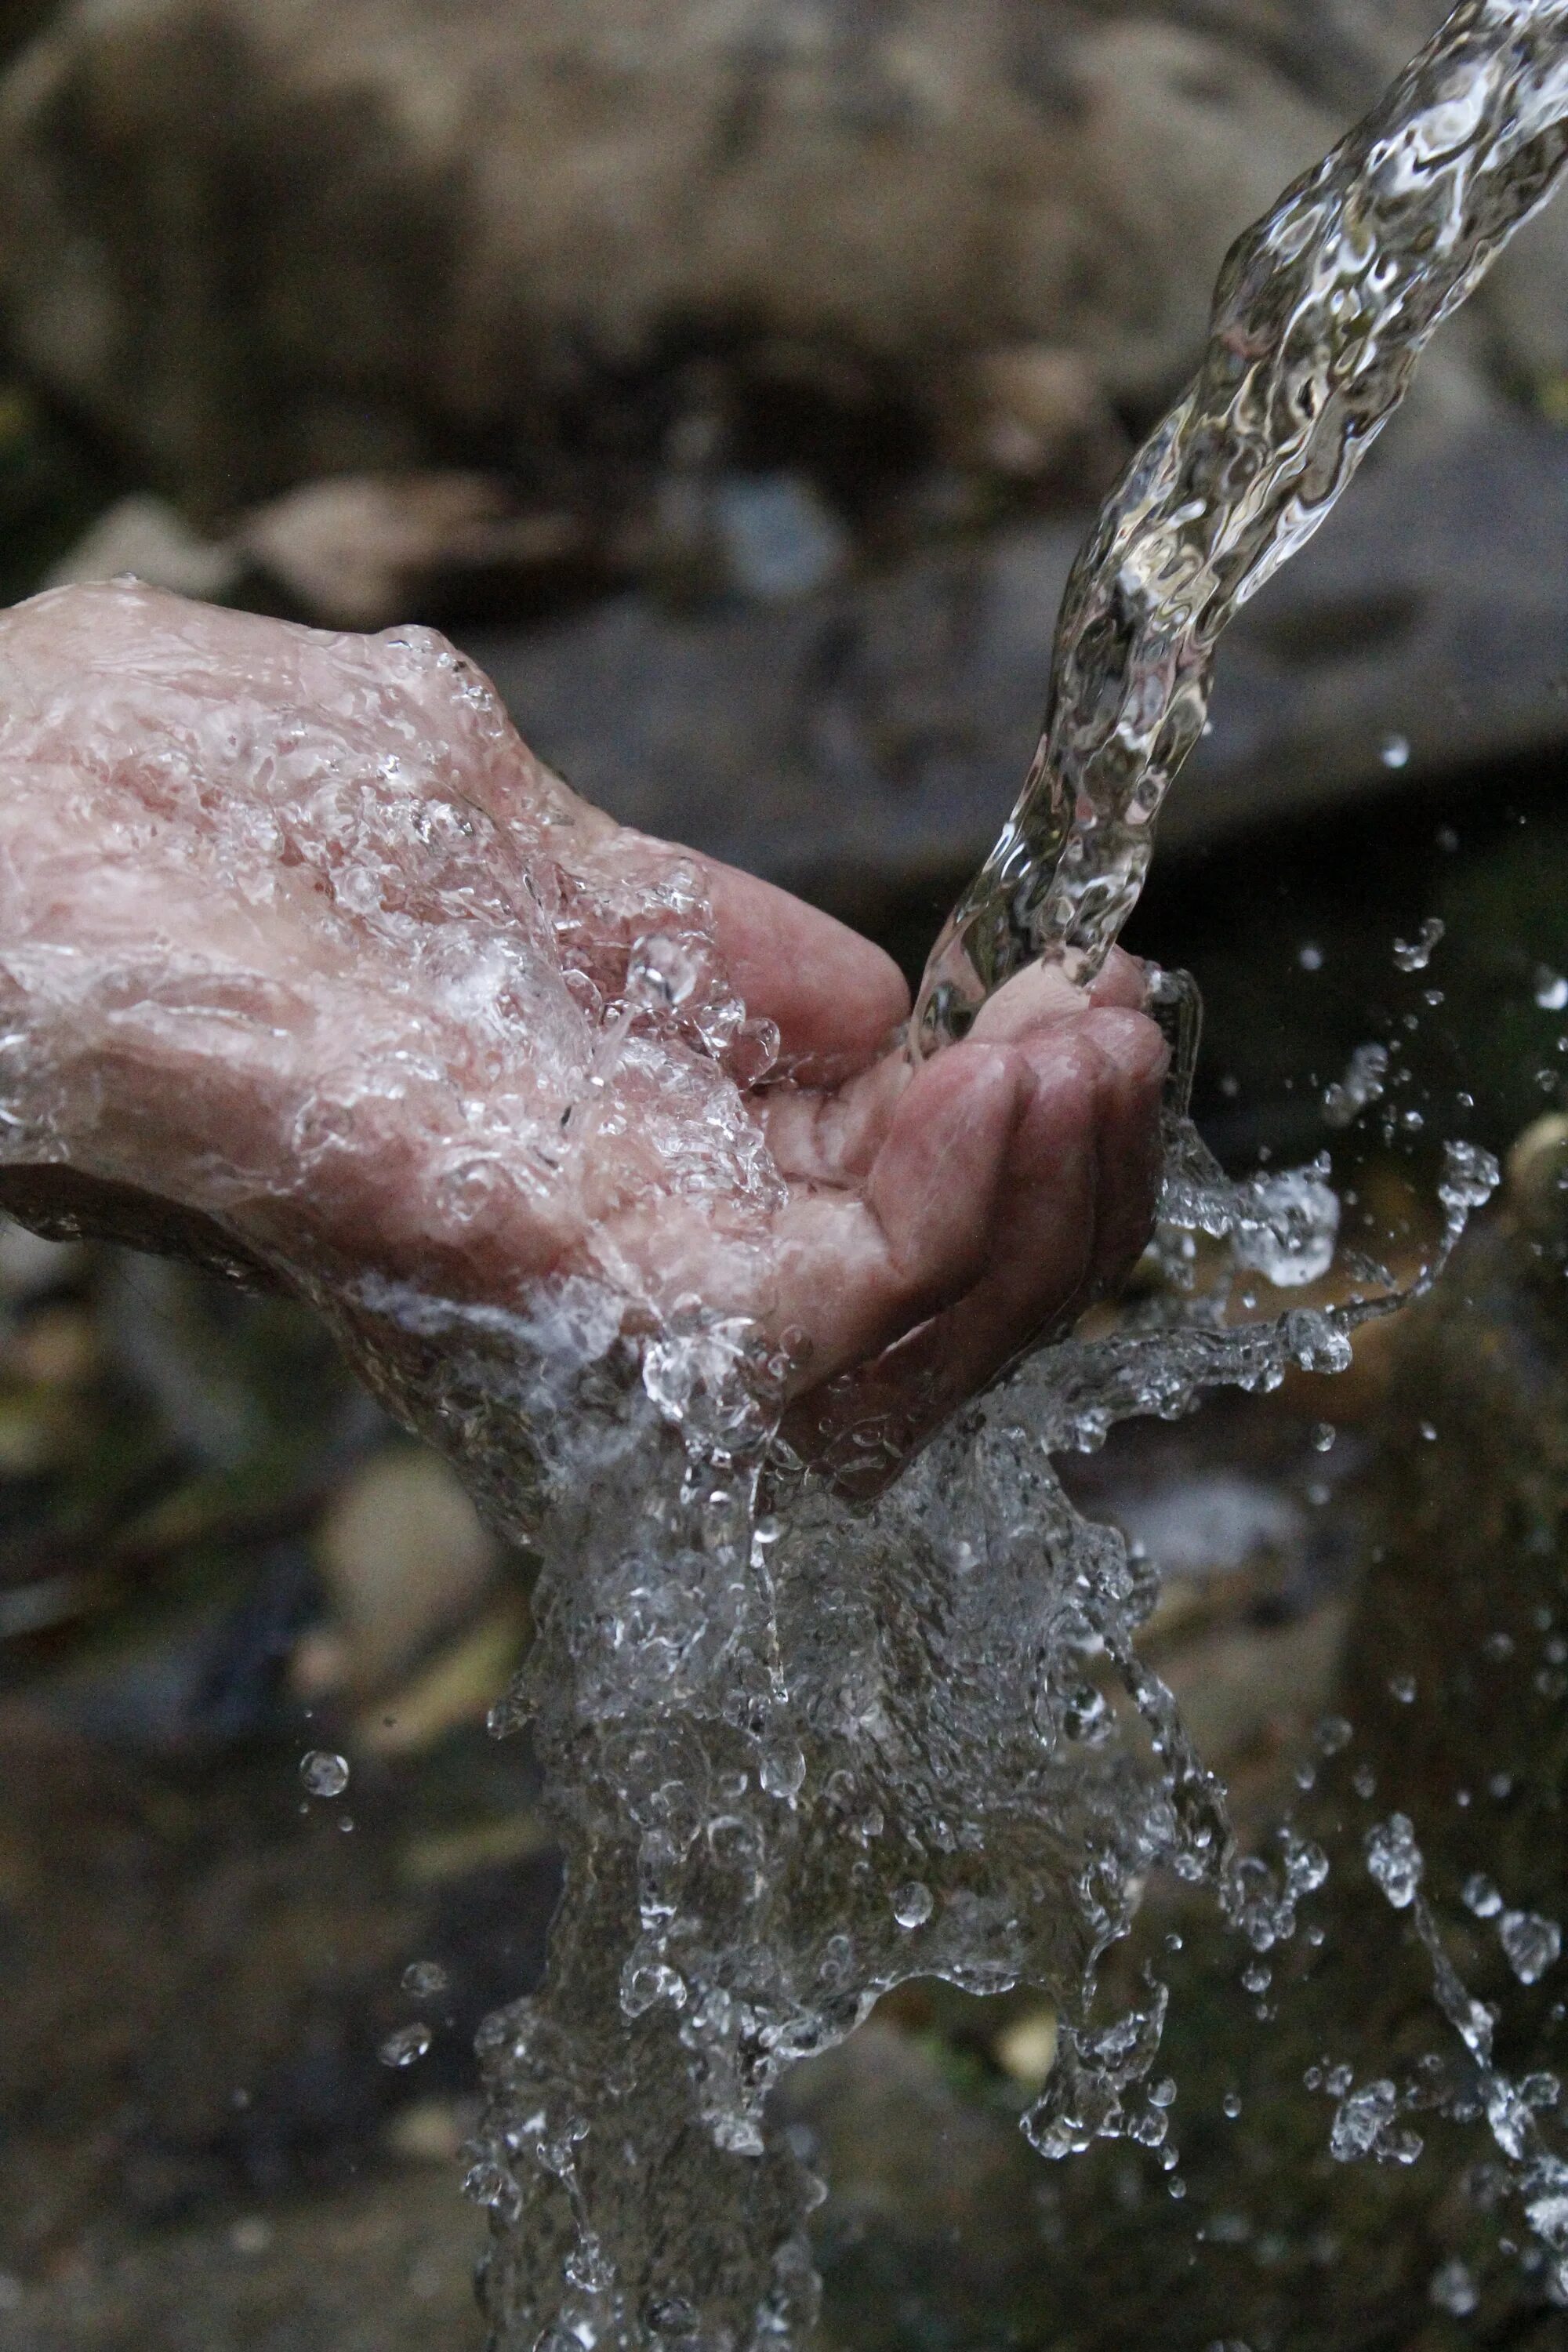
[801, 1750]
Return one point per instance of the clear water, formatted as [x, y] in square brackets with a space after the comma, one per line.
[1322, 312]
[799, 1750]
[804, 1751]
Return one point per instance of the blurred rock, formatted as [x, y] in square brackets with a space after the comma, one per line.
[1038, 411]
[779, 538]
[386, 2266]
[402, 1559]
[385, 232]
[145, 536]
[362, 551]
[865, 744]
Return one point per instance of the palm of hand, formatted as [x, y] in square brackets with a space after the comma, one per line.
[300, 938]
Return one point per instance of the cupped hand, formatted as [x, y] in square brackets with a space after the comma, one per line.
[302, 948]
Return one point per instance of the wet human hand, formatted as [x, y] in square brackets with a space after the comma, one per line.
[300, 946]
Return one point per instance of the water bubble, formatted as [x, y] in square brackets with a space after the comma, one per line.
[671, 2315]
[1479, 1895]
[1394, 1860]
[1306, 1867]
[1551, 989]
[1395, 751]
[1363, 1780]
[1230, 2106]
[1532, 1945]
[1497, 1647]
[1257, 1979]
[781, 1770]
[1310, 957]
[494, 2186]
[323, 1773]
[425, 1979]
[404, 2047]
[1323, 1436]
[1453, 2289]
[1415, 955]
[1470, 1176]
[1402, 1686]
[1364, 2124]
[913, 1904]
[1333, 1733]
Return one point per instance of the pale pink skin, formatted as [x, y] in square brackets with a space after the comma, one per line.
[192, 962]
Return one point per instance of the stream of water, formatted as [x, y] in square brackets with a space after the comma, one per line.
[802, 1751]
[799, 1750]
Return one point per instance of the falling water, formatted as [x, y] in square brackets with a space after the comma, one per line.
[799, 1750]
[804, 1751]
[1322, 312]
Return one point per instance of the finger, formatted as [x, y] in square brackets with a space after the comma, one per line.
[836, 999]
[833, 1136]
[1043, 991]
[856, 1269]
[1075, 1208]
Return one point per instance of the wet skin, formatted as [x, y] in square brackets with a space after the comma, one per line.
[185, 964]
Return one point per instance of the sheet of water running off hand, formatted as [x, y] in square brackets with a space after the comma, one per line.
[801, 1747]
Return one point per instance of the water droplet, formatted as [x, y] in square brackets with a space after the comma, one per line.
[1479, 1895]
[1364, 2124]
[425, 1979]
[782, 1769]
[1395, 751]
[1394, 1859]
[913, 1904]
[1402, 1688]
[1323, 1436]
[1332, 1734]
[1363, 1780]
[1257, 1978]
[1231, 2105]
[1453, 2289]
[671, 2315]
[1310, 957]
[1531, 1944]
[1415, 955]
[492, 2185]
[402, 2048]
[323, 1773]
[1550, 990]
